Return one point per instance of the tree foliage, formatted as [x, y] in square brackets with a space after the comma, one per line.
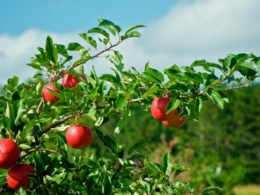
[39, 127]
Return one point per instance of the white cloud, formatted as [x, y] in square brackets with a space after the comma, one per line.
[191, 30]
[15, 52]
[202, 29]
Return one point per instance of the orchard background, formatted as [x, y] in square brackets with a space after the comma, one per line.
[69, 129]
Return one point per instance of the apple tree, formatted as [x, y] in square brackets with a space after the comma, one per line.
[50, 124]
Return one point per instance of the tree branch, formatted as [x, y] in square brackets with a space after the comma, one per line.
[96, 55]
[237, 87]
[203, 93]
[137, 100]
[55, 124]
[24, 154]
[57, 77]
[64, 119]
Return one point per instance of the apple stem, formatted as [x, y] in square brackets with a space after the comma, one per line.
[77, 116]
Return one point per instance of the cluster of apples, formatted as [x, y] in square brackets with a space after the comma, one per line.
[77, 136]
[17, 173]
[158, 111]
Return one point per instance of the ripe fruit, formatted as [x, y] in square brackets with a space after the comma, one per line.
[47, 95]
[9, 153]
[78, 136]
[158, 108]
[17, 176]
[69, 81]
[13, 183]
[173, 119]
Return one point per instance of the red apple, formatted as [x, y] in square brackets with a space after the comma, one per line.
[9, 153]
[158, 108]
[173, 119]
[69, 81]
[79, 136]
[13, 183]
[18, 176]
[47, 95]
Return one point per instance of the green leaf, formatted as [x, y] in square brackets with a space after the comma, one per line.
[133, 28]
[113, 28]
[22, 191]
[216, 98]
[20, 111]
[185, 111]
[51, 50]
[82, 60]
[198, 104]
[208, 66]
[61, 49]
[107, 141]
[153, 75]
[39, 163]
[173, 105]
[9, 113]
[99, 121]
[152, 90]
[110, 78]
[195, 77]
[166, 162]
[88, 39]
[24, 146]
[172, 71]
[35, 66]
[12, 82]
[74, 47]
[117, 59]
[58, 178]
[152, 167]
[107, 184]
[57, 94]
[99, 31]
[131, 35]
[25, 133]
[177, 168]
[88, 118]
[121, 101]
[248, 69]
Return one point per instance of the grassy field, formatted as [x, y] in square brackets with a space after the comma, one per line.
[247, 190]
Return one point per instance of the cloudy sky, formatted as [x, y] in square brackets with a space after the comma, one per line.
[178, 31]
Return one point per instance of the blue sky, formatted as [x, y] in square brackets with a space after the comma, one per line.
[177, 32]
[69, 15]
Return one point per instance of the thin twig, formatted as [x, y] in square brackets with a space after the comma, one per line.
[203, 93]
[38, 109]
[236, 87]
[24, 154]
[55, 124]
[105, 50]
[90, 58]
[64, 119]
[137, 100]
[95, 56]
